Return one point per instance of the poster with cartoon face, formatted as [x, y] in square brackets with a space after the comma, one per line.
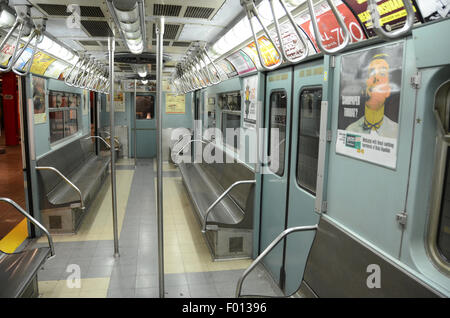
[249, 101]
[369, 104]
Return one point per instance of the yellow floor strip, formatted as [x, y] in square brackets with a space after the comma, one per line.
[185, 249]
[98, 224]
[14, 238]
[89, 288]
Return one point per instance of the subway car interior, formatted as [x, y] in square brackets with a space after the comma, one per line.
[225, 149]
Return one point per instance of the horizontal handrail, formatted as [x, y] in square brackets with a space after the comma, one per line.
[281, 236]
[66, 180]
[221, 197]
[34, 221]
[98, 137]
[191, 141]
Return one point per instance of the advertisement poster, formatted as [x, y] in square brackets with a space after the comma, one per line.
[227, 68]
[331, 33]
[55, 69]
[291, 42]
[250, 101]
[6, 52]
[175, 104]
[241, 62]
[41, 62]
[38, 84]
[434, 9]
[268, 52]
[119, 100]
[369, 104]
[392, 14]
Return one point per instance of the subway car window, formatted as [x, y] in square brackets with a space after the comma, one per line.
[308, 138]
[277, 131]
[443, 237]
[230, 103]
[145, 107]
[63, 113]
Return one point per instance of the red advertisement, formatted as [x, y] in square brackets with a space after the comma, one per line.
[392, 14]
[330, 31]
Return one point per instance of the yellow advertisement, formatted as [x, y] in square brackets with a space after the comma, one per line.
[119, 102]
[268, 52]
[40, 63]
[175, 104]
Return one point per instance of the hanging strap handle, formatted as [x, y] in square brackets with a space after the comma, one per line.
[339, 19]
[251, 11]
[296, 29]
[376, 20]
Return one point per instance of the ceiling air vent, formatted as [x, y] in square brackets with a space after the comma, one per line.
[198, 12]
[170, 31]
[166, 10]
[61, 10]
[181, 44]
[90, 43]
[97, 28]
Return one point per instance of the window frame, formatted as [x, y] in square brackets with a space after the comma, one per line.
[63, 110]
[298, 136]
[275, 91]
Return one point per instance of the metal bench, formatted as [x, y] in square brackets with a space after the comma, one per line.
[223, 197]
[69, 178]
[18, 271]
[338, 259]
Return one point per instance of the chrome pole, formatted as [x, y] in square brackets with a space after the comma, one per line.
[159, 66]
[111, 47]
[135, 128]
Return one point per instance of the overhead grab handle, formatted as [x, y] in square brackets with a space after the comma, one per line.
[372, 6]
[251, 11]
[317, 35]
[38, 35]
[297, 30]
[205, 52]
[21, 21]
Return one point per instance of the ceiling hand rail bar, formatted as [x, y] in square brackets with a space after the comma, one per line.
[372, 6]
[67, 181]
[21, 24]
[71, 81]
[81, 72]
[38, 35]
[94, 75]
[85, 73]
[220, 198]
[337, 15]
[214, 65]
[281, 236]
[30, 62]
[212, 77]
[91, 76]
[66, 79]
[296, 29]
[103, 81]
[197, 76]
[202, 71]
[34, 221]
[192, 80]
[251, 11]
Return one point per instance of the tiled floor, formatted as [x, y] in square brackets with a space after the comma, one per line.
[189, 270]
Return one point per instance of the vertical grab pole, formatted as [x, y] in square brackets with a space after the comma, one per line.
[111, 47]
[159, 66]
[134, 120]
